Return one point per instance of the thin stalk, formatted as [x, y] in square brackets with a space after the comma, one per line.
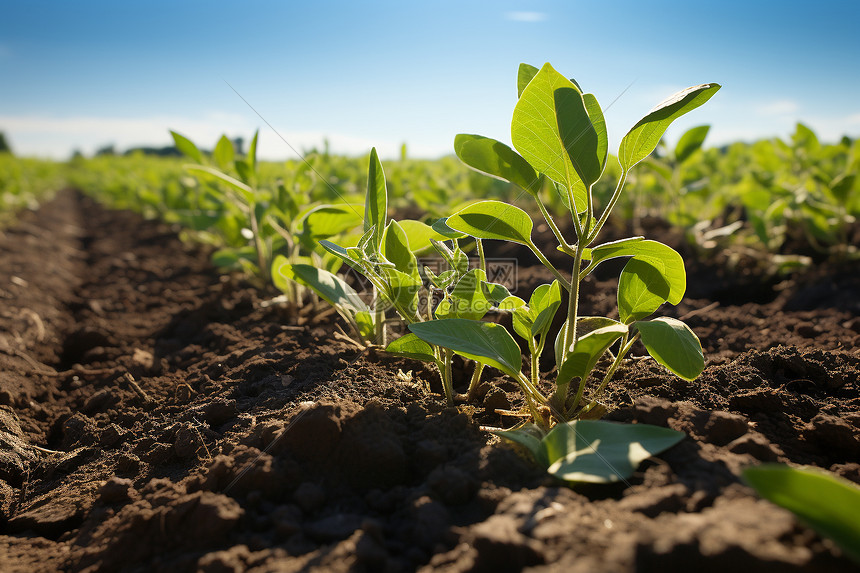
[609, 206]
[573, 301]
[624, 348]
[475, 381]
[447, 377]
[548, 265]
[565, 246]
[483, 261]
[258, 243]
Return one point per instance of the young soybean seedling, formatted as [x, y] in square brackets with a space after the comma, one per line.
[559, 134]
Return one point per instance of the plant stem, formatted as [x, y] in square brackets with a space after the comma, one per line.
[565, 246]
[609, 206]
[475, 381]
[483, 262]
[548, 265]
[447, 377]
[623, 349]
[258, 243]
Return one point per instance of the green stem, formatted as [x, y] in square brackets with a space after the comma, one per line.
[475, 381]
[548, 265]
[565, 246]
[447, 377]
[612, 201]
[259, 247]
[624, 348]
[483, 261]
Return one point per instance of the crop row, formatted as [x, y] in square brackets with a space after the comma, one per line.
[301, 227]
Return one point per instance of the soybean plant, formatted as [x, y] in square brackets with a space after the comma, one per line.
[559, 135]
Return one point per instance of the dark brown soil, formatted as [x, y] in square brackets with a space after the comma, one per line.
[155, 416]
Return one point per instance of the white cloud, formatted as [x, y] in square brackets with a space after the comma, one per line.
[778, 107]
[58, 137]
[526, 16]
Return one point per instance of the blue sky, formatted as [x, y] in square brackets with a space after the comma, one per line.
[86, 74]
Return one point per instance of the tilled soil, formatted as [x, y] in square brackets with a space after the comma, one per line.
[156, 416]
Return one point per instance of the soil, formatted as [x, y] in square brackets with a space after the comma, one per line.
[158, 416]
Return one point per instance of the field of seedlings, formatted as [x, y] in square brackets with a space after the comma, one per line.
[547, 356]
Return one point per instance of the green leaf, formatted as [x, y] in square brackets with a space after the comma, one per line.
[641, 140]
[524, 75]
[641, 290]
[401, 289]
[223, 153]
[690, 142]
[597, 451]
[828, 504]
[660, 256]
[245, 192]
[483, 342]
[376, 200]
[496, 293]
[535, 127]
[671, 343]
[441, 227]
[187, 147]
[251, 158]
[326, 221]
[587, 351]
[529, 436]
[842, 185]
[331, 288]
[419, 235]
[467, 298]
[493, 220]
[496, 159]
[598, 122]
[578, 135]
[543, 304]
[395, 248]
[411, 346]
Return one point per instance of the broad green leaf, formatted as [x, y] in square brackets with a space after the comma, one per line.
[671, 343]
[483, 342]
[524, 75]
[495, 292]
[493, 220]
[597, 451]
[535, 128]
[827, 503]
[641, 290]
[544, 303]
[376, 200]
[441, 227]
[242, 258]
[805, 138]
[497, 160]
[328, 286]
[587, 351]
[419, 235]
[641, 140]
[402, 291]
[598, 122]
[512, 303]
[690, 142]
[528, 435]
[578, 135]
[395, 248]
[662, 257]
[842, 185]
[223, 153]
[467, 298]
[326, 221]
[411, 346]
[187, 147]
